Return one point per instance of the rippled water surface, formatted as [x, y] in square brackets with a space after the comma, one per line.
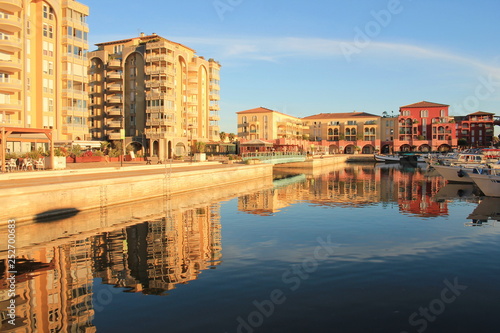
[353, 248]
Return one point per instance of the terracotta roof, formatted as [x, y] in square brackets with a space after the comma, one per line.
[481, 113]
[424, 104]
[340, 115]
[262, 110]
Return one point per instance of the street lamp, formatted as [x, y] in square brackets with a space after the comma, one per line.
[190, 128]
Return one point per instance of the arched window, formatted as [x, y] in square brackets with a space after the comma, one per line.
[244, 119]
[330, 131]
[336, 131]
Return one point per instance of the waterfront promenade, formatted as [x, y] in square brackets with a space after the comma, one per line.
[26, 195]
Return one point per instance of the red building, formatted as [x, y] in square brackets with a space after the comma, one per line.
[476, 128]
[425, 127]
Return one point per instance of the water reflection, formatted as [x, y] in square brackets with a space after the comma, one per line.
[54, 284]
[153, 246]
[413, 189]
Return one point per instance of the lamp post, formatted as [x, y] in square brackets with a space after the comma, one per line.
[190, 128]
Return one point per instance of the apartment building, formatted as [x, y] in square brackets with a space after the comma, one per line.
[476, 129]
[345, 132]
[154, 94]
[267, 124]
[43, 72]
[425, 126]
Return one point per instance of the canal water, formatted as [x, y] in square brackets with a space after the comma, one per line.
[351, 248]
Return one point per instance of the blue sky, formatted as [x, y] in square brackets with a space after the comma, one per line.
[307, 57]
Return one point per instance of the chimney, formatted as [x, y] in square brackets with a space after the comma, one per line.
[142, 34]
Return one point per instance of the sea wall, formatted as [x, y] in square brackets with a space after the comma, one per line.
[36, 201]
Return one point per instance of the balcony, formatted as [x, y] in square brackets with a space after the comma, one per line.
[114, 63]
[114, 87]
[10, 44]
[114, 75]
[10, 85]
[114, 100]
[11, 24]
[214, 107]
[114, 112]
[114, 136]
[11, 5]
[214, 97]
[114, 124]
[214, 117]
[160, 122]
[11, 106]
[10, 65]
[75, 111]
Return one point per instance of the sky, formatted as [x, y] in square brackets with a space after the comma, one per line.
[327, 56]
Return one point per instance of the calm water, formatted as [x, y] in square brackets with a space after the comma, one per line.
[354, 248]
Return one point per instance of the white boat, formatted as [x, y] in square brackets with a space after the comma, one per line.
[488, 183]
[387, 158]
[454, 174]
[399, 158]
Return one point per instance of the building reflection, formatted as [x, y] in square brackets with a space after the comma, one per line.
[54, 284]
[412, 189]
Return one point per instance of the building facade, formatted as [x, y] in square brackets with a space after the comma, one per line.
[476, 129]
[345, 132]
[424, 127]
[43, 71]
[154, 93]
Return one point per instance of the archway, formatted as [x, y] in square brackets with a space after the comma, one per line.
[444, 148]
[136, 147]
[405, 148]
[333, 149]
[156, 148]
[368, 149]
[350, 149]
[180, 149]
[386, 149]
[425, 149]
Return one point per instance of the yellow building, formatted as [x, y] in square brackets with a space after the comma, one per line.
[159, 92]
[43, 72]
[267, 124]
[345, 132]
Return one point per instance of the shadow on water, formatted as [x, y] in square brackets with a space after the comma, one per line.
[56, 215]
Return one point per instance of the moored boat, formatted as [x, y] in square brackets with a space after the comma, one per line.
[488, 182]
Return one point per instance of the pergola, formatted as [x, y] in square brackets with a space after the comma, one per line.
[256, 145]
[8, 131]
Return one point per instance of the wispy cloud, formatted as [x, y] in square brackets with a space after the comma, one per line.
[277, 49]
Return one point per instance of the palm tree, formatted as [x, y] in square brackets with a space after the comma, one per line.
[222, 136]
[231, 137]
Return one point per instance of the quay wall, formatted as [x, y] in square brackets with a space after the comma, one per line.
[31, 202]
[328, 160]
[34, 235]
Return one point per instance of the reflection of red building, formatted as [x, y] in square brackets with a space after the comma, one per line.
[476, 128]
[424, 126]
[354, 186]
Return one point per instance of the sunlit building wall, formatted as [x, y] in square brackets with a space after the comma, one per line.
[43, 70]
[154, 92]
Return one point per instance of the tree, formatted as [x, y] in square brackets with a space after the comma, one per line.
[231, 137]
[222, 136]
[463, 142]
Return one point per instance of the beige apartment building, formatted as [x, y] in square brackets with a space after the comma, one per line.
[43, 73]
[267, 124]
[154, 94]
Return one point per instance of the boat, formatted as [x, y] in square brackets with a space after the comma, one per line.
[408, 158]
[387, 158]
[454, 174]
[488, 182]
